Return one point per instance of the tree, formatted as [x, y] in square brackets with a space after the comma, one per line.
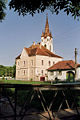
[30, 6]
[7, 71]
[14, 70]
[2, 9]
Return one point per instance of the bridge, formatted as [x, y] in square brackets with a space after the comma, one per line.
[18, 113]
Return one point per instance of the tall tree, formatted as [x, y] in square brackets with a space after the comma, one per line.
[2, 9]
[32, 6]
[14, 70]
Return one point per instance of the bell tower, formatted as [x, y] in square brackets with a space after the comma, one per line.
[46, 37]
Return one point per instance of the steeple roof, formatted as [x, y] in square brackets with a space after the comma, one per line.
[46, 32]
[47, 25]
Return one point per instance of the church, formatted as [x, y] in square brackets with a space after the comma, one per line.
[34, 61]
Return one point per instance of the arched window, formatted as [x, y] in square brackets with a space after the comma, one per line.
[45, 45]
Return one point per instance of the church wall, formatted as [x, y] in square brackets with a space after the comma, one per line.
[25, 70]
[32, 67]
[41, 70]
[22, 69]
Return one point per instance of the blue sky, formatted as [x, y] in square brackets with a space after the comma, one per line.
[18, 31]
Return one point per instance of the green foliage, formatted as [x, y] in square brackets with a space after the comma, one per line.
[31, 7]
[14, 70]
[69, 77]
[2, 9]
[7, 71]
[31, 79]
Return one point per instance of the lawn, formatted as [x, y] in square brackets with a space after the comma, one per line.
[23, 82]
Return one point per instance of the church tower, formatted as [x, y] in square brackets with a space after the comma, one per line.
[46, 37]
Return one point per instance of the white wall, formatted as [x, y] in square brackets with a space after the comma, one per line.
[56, 74]
[78, 73]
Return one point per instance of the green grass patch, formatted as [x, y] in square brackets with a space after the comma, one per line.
[23, 82]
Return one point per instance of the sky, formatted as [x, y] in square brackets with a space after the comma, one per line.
[17, 32]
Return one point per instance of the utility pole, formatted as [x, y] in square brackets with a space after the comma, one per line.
[75, 63]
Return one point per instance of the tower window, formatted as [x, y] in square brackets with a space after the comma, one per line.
[45, 45]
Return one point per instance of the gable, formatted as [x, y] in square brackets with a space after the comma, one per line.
[24, 54]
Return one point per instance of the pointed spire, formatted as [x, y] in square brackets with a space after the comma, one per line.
[47, 25]
[46, 32]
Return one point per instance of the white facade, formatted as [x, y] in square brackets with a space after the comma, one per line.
[61, 75]
[28, 68]
[47, 42]
[78, 73]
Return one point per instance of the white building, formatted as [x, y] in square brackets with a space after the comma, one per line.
[33, 62]
[64, 70]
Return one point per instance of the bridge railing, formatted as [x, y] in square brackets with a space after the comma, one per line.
[9, 96]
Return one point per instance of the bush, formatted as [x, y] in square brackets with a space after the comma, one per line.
[31, 79]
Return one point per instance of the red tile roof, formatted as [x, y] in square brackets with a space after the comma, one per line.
[38, 49]
[64, 65]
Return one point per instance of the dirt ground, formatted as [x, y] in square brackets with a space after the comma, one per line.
[34, 114]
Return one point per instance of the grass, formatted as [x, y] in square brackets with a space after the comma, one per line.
[34, 82]
[23, 82]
